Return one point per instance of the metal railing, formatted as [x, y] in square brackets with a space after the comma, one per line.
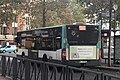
[27, 69]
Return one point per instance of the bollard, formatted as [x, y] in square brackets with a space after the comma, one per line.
[64, 77]
[3, 61]
[27, 70]
[44, 72]
[102, 76]
[55, 71]
[67, 73]
[14, 68]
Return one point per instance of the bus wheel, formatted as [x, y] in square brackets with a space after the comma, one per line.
[23, 54]
[4, 51]
[14, 51]
[44, 58]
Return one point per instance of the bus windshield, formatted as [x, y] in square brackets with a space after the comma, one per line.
[82, 34]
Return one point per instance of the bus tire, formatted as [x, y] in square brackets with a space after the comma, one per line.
[4, 51]
[14, 51]
[23, 54]
[44, 58]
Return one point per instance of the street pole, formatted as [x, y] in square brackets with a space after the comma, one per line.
[14, 19]
[5, 22]
[115, 8]
[114, 35]
[44, 17]
[4, 29]
[110, 24]
[101, 23]
[5, 12]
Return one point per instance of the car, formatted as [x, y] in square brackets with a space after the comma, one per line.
[9, 48]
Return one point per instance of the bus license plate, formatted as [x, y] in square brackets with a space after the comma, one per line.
[83, 62]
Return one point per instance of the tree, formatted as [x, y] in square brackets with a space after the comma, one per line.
[6, 12]
[56, 12]
[66, 12]
[118, 10]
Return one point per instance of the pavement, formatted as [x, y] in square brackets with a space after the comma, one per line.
[5, 78]
[104, 65]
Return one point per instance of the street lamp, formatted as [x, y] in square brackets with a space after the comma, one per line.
[4, 29]
[14, 24]
[43, 14]
[110, 24]
[115, 7]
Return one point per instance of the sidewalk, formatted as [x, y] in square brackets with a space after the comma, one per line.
[114, 67]
[4, 78]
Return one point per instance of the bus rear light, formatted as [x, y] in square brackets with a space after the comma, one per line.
[69, 28]
[63, 54]
[99, 55]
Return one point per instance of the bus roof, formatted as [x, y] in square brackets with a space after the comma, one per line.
[42, 28]
[56, 26]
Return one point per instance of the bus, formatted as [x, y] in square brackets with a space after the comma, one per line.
[74, 44]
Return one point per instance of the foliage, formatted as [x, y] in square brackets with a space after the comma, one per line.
[118, 10]
[57, 12]
[103, 6]
[6, 14]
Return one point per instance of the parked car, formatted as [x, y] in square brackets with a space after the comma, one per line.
[9, 48]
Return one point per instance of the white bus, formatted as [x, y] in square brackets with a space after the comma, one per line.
[76, 43]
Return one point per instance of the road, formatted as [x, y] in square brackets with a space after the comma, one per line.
[9, 54]
[5, 78]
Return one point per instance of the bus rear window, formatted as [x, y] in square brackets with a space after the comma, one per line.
[82, 35]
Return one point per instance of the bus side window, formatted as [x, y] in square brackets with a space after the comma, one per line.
[44, 44]
[57, 45]
[58, 38]
[36, 44]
